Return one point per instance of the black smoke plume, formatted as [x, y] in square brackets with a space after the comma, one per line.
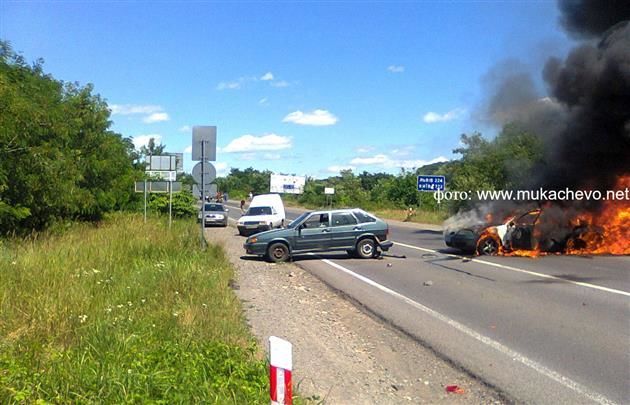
[591, 18]
[584, 122]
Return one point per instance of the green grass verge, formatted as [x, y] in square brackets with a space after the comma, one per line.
[125, 312]
[419, 216]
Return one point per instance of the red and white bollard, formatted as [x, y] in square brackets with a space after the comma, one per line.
[280, 366]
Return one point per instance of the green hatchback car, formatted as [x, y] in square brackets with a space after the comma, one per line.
[357, 232]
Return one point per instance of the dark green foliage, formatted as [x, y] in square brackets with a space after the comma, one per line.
[184, 204]
[239, 183]
[58, 158]
[506, 162]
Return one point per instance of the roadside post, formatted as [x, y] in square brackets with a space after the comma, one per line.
[204, 148]
[165, 167]
[330, 193]
[280, 367]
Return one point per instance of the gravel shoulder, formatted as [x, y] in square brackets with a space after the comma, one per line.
[341, 354]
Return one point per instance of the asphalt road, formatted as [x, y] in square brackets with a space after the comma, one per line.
[555, 329]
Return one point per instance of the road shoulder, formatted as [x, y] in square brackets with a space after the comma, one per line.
[341, 354]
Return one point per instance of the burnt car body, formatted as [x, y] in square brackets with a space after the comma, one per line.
[523, 232]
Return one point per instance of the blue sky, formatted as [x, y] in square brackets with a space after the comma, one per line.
[303, 88]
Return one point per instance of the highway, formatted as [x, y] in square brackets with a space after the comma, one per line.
[554, 329]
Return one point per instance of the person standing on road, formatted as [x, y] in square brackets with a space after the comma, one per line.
[242, 206]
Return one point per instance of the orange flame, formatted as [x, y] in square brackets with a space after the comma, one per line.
[606, 232]
[614, 220]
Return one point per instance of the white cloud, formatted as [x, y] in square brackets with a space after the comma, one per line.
[130, 109]
[156, 117]
[396, 69]
[403, 151]
[267, 76]
[228, 86]
[185, 128]
[247, 157]
[389, 163]
[365, 149]
[410, 164]
[315, 118]
[251, 143]
[152, 113]
[222, 168]
[433, 117]
[338, 168]
[374, 160]
[280, 83]
[188, 149]
[272, 156]
[143, 140]
[263, 101]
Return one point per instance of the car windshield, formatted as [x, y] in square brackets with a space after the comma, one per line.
[214, 207]
[298, 220]
[252, 211]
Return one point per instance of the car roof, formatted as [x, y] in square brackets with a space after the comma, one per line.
[336, 211]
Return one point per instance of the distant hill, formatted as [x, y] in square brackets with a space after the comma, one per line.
[430, 169]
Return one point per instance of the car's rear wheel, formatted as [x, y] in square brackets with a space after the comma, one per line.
[278, 253]
[488, 246]
[366, 248]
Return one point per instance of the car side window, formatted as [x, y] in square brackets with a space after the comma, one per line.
[316, 221]
[343, 218]
[363, 217]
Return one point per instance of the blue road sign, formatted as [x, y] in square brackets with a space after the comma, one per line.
[431, 183]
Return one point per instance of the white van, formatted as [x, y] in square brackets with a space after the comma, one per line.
[266, 211]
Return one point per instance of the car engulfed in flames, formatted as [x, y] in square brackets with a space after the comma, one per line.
[551, 230]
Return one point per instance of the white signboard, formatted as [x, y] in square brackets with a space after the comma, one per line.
[161, 174]
[329, 190]
[286, 184]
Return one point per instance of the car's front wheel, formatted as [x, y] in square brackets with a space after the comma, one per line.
[278, 253]
[366, 248]
[488, 246]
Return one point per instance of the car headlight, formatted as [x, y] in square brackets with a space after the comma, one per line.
[262, 223]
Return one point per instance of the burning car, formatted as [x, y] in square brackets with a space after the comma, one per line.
[522, 235]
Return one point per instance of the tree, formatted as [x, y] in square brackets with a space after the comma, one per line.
[58, 158]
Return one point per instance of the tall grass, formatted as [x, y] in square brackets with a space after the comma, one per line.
[124, 312]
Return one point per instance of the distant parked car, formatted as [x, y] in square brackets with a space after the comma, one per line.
[355, 231]
[266, 211]
[216, 214]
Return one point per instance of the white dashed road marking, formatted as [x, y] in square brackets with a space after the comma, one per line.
[565, 381]
[516, 269]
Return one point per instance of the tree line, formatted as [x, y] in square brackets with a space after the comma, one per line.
[505, 162]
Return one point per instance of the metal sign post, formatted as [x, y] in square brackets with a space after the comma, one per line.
[203, 195]
[170, 204]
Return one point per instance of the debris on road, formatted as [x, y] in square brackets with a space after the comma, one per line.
[428, 283]
[455, 389]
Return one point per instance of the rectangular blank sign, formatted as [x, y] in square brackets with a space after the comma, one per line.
[158, 186]
[206, 136]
